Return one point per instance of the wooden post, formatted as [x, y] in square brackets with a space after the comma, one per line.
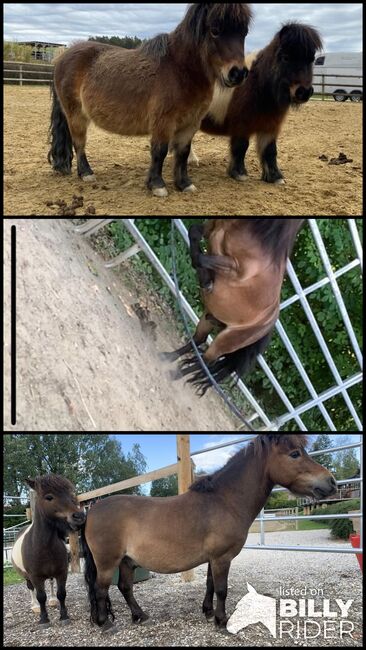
[74, 550]
[32, 502]
[184, 478]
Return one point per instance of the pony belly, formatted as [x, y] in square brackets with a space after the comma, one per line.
[17, 555]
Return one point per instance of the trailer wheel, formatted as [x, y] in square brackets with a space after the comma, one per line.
[356, 96]
[340, 95]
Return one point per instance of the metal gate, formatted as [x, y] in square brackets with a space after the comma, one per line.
[340, 387]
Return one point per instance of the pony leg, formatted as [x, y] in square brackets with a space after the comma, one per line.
[103, 604]
[34, 605]
[220, 573]
[182, 151]
[155, 181]
[205, 276]
[229, 340]
[204, 328]
[125, 585]
[52, 600]
[78, 125]
[267, 151]
[44, 621]
[207, 607]
[61, 595]
[238, 148]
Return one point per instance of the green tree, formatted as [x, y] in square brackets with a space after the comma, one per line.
[165, 487]
[90, 461]
[128, 42]
[324, 441]
[346, 464]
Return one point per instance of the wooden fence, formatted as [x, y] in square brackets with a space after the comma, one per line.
[27, 73]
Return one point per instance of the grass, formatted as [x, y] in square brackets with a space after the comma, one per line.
[311, 525]
[11, 577]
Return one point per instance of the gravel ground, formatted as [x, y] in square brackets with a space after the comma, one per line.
[175, 606]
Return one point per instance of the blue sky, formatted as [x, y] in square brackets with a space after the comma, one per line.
[339, 23]
[160, 450]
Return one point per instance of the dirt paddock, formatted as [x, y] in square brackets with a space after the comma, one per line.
[174, 607]
[313, 187]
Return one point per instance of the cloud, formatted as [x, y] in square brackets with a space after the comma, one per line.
[339, 23]
[213, 460]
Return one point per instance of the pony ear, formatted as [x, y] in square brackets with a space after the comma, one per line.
[283, 32]
[31, 482]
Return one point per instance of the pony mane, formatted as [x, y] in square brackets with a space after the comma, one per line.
[228, 17]
[300, 41]
[156, 47]
[276, 235]
[257, 447]
[53, 483]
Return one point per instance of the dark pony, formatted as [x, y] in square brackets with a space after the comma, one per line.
[164, 88]
[40, 552]
[281, 76]
[241, 278]
[208, 524]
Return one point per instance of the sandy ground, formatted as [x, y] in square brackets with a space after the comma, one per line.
[313, 187]
[85, 361]
[175, 607]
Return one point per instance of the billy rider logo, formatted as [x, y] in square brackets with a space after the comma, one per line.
[298, 617]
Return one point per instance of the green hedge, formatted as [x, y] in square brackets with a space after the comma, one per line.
[308, 265]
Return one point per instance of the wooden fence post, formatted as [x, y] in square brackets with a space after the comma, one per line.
[74, 551]
[184, 478]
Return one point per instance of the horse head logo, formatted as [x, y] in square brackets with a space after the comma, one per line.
[251, 609]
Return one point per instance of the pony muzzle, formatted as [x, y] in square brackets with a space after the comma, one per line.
[234, 76]
[325, 487]
[76, 520]
[301, 94]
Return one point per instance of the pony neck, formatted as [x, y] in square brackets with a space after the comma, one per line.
[45, 529]
[247, 492]
[188, 54]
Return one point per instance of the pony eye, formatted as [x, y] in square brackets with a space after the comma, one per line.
[215, 33]
[295, 454]
[49, 497]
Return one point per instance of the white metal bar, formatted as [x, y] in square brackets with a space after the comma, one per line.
[318, 285]
[320, 338]
[308, 517]
[336, 290]
[304, 549]
[356, 240]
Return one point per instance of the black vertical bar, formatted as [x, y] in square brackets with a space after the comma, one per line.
[13, 324]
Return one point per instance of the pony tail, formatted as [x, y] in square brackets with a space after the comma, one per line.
[90, 575]
[61, 154]
[239, 362]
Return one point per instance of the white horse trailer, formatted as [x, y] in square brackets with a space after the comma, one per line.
[340, 75]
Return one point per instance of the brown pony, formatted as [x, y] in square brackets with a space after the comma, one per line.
[280, 77]
[40, 552]
[163, 88]
[241, 279]
[210, 523]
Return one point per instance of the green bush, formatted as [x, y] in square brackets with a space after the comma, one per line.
[308, 265]
[342, 528]
[339, 509]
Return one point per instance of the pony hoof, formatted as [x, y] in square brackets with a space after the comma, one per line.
[65, 621]
[160, 192]
[190, 189]
[175, 375]
[280, 181]
[44, 626]
[109, 628]
[144, 619]
[53, 602]
[89, 179]
[242, 178]
[164, 356]
[210, 619]
[36, 610]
